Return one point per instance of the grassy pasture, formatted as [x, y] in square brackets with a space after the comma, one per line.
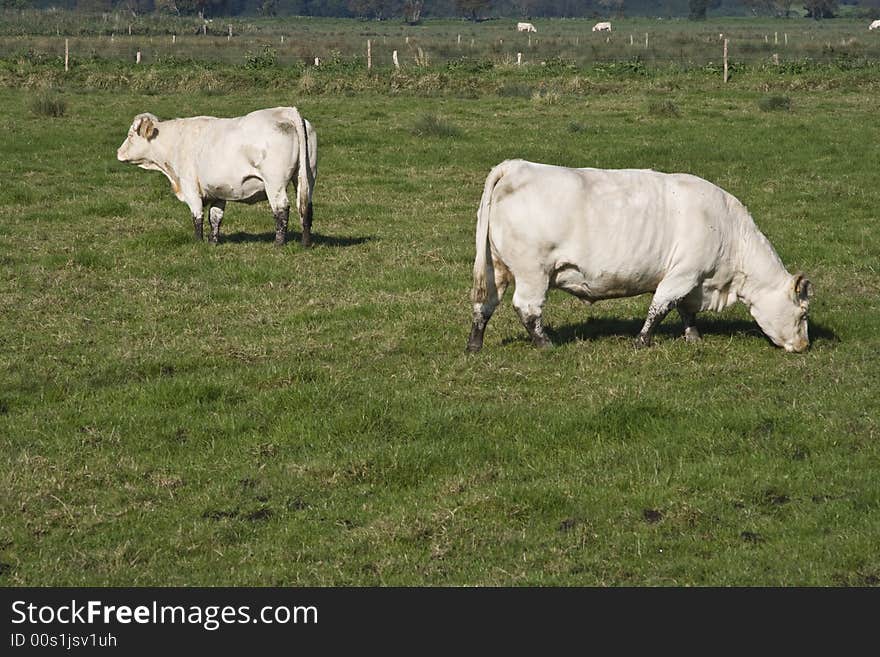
[298, 40]
[178, 414]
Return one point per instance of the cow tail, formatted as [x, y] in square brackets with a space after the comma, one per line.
[479, 293]
[303, 186]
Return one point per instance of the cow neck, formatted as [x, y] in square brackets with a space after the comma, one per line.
[760, 267]
[163, 144]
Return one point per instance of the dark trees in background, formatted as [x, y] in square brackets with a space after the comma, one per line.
[412, 11]
[697, 9]
[820, 8]
[471, 8]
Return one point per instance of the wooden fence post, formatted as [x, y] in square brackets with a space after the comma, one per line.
[66, 56]
[369, 56]
[725, 61]
[395, 60]
[519, 59]
[137, 58]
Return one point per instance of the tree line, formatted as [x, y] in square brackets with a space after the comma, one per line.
[414, 11]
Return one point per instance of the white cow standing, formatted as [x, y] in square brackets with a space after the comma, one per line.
[251, 158]
[875, 25]
[525, 27]
[601, 234]
[602, 27]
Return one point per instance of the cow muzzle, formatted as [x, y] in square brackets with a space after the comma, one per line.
[798, 347]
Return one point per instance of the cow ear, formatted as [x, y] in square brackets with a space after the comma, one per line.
[802, 288]
[146, 128]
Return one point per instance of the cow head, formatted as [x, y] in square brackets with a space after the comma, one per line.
[782, 313]
[136, 147]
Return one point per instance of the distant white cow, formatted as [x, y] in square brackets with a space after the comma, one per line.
[607, 233]
[250, 158]
[525, 27]
[875, 25]
[602, 27]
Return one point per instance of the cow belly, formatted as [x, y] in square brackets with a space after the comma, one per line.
[249, 190]
[602, 285]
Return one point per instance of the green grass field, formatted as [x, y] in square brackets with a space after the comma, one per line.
[177, 414]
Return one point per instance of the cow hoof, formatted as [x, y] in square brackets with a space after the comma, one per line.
[542, 344]
[307, 243]
[692, 336]
[641, 342]
[473, 348]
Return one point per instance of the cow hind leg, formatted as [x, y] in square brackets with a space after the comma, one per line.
[276, 193]
[668, 295]
[281, 218]
[215, 217]
[306, 223]
[528, 300]
[498, 277]
[688, 318]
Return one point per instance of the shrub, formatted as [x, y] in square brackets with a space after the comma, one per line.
[266, 58]
[774, 103]
[546, 97]
[49, 105]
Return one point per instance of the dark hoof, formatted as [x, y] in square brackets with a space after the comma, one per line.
[473, 347]
[306, 242]
[641, 343]
[542, 344]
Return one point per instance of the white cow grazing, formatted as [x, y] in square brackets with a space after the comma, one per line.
[606, 233]
[875, 25]
[602, 27]
[525, 27]
[250, 158]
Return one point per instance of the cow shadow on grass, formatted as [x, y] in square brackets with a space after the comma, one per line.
[602, 327]
[292, 237]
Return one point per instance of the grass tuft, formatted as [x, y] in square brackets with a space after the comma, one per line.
[663, 109]
[515, 90]
[431, 125]
[49, 104]
[774, 104]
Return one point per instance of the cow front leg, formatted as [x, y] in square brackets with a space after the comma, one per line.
[215, 217]
[281, 218]
[196, 209]
[669, 295]
[198, 231]
[688, 318]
